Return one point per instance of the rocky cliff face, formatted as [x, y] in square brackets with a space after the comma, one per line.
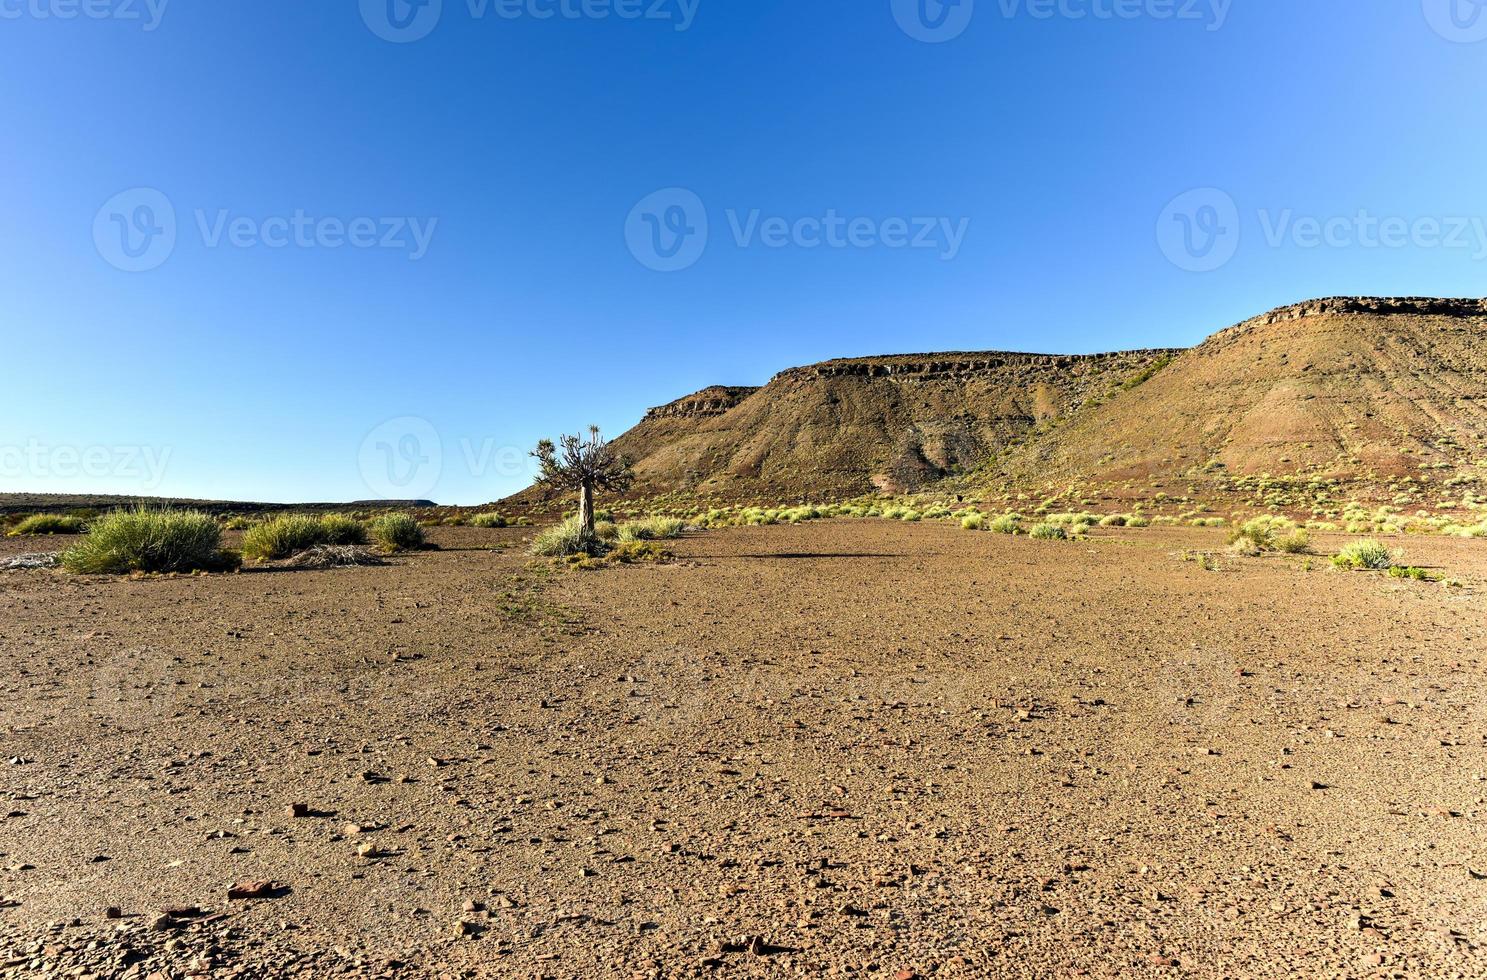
[1353, 388]
[703, 404]
[893, 423]
[1372, 389]
[910, 367]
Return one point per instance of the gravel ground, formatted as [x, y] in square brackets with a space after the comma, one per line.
[844, 748]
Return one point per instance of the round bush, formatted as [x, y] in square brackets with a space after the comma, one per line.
[567, 539]
[339, 529]
[397, 532]
[145, 540]
[49, 524]
[282, 536]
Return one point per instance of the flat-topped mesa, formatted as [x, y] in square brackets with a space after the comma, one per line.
[960, 364]
[710, 401]
[1363, 389]
[1375, 305]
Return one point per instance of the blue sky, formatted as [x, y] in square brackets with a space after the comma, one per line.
[336, 250]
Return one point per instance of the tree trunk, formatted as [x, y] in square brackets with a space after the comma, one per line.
[586, 508]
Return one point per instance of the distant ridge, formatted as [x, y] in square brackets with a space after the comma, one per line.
[1368, 389]
[50, 502]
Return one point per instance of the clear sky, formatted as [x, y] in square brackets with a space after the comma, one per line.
[340, 249]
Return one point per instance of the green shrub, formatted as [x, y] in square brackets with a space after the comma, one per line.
[1113, 520]
[238, 523]
[1410, 572]
[606, 530]
[48, 524]
[397, 532]
[1298, 542]
[651, 529]
[145, 540]
[282, 536]
[1261, 534]
[1049, 532]
[631, 552]
[1007, 524]
[565, 539]
[489, 519]
[339, 529]
[973, 522]
[1068, 519]
[1366, 554]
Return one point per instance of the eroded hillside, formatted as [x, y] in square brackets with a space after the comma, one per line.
[857, 425]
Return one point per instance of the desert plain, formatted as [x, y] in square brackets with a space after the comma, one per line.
[849, 748]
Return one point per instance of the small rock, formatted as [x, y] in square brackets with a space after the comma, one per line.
[254, 889]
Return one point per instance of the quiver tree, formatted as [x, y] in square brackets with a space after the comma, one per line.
[583, 465]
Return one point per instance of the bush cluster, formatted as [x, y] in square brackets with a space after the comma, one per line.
[289, 534]
[397, 532]
[49, 524]
[1366, 554]
[145, 540]
[566, 539]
